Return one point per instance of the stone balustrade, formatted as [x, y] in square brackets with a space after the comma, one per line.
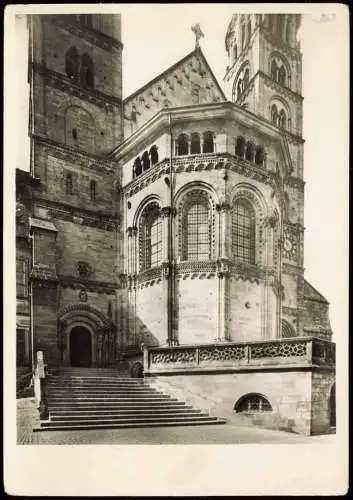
[228, 356]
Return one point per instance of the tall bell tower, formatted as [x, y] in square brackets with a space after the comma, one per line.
[264, 72]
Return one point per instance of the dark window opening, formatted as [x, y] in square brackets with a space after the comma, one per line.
[260, 156]
[150, 240]
[243, 231]
[240, 147]
[196, 228]
[72, 63]
[208, 144]
[74, 134]
[250, 151]
[274, 114]
[137, 168]
[182, 145]
[252, 403]
[146, 161]
[154, 155]
[69, 184]
[195, 144]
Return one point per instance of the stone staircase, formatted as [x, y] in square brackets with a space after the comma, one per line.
[98, 398]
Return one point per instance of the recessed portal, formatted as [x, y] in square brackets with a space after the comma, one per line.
[80, 347]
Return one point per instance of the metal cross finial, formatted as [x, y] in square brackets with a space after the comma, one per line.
[198, 33]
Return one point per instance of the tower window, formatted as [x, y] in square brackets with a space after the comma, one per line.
[69, 184]
[208, 145]
[282, 121]
[260, 156]
[282, 75]
[243, 231]
[154, 154]
[87, 75]
[274, 70]
[93, 190]
[74, 134]
[196, 227]
[150, 242]
[274, 114]
[246, 76]
[146, 161]
[195, 144]
[72, 63]
[240, 88]
[182, 145]
[240, 147]
[137, 168]
[250, 151]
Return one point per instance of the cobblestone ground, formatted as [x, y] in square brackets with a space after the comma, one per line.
[27, 418]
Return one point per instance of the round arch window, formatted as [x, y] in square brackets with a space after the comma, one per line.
[252, 403]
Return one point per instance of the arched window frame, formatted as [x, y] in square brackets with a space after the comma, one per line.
[150, 237]
[208, 142]
[243, 231]
[182, 145]
[195, 144]
[250, 151]
[240, 147]
[260, 156]
[287, 330]
[207, 249]
[87, 71]
[72, 63]
[274, 114]
[282, 119]
[146, 162]
[154, 155]
[93, 190]
[282, 75]
[253, 403]
[137, 167]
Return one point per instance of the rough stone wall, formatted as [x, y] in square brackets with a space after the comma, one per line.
[322, 382]
[188, 83]
[289, 394]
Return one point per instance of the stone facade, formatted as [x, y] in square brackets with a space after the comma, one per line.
[174, 216]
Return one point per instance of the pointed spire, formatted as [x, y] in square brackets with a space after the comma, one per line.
[198, 34]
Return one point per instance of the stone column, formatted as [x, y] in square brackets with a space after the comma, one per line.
[166, 213]
[134, 262]
[223, 272]
[129, 286]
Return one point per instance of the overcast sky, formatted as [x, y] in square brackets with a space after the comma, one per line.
[156, 36]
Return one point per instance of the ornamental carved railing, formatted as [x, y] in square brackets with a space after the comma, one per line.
[301, 350]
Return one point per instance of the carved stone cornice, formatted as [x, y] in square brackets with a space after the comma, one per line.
[74, 155]
[89, 285]
[196, 269]
[65, 84]
[90, 34]
[198, 163]
[249, 272]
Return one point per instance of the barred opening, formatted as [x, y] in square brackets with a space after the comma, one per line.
[252, 403]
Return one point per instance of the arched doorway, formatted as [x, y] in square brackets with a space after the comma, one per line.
[80, 347]
[332, 406]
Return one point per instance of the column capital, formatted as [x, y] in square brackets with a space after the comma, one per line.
[129, 231]
[134, 230]
[167, 211]
[223, 207]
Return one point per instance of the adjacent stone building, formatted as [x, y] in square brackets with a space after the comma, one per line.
[174, 219]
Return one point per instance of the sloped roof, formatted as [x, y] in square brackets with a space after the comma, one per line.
[196, 51]
[312, 294]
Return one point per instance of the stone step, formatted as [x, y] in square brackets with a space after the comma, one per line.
[124, 411]
[122, 390]
[98, 378]
[123, 417]
[110, 398]
[105, 405]
[120, 425]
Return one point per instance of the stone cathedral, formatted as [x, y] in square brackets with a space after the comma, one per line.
[165, 229]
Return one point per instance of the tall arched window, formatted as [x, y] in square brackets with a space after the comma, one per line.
[146, 161]
[282, 121]
[150, 237]
[137, 168]
[250, 151]
[208, 145]
[72, 63]
[246, 77]
[240, 147]
[182, 145]
[235, 52]
[69, 184]
[243, 231]
[287, 330]
[196, 227]
[87, 74]
[239, 88]
[282, 75]
[259, 156]
[93, 190]
[154, 154]
[195, 144]
[274, 114]
[274, 70]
